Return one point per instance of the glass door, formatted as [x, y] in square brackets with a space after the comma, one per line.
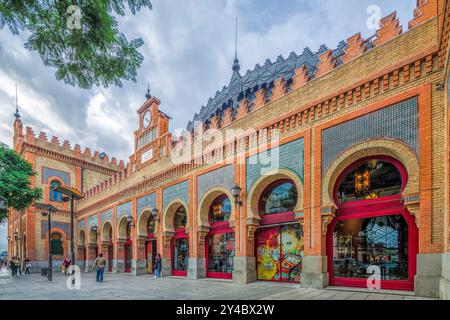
[268, 254]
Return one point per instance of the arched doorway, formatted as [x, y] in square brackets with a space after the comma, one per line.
[82, 249]
[279, 239]
[220, 240]
[372, 229]
[107, 246]
[180, 243]
[150, 245]
[128, 249]
[93, 244]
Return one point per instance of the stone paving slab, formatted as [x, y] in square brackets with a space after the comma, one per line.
[118, 286]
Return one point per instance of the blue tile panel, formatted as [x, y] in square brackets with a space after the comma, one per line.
[291, 156]
[107, 216]
[48, 172]
[223, 177]
[123, 210]
[146, 202]
[399, 121]
[55, 224]
[81, 224]
[92, 220]
[177, 191]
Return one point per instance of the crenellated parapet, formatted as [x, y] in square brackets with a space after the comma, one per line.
[389, 28]
[424, 11]
[53, 148]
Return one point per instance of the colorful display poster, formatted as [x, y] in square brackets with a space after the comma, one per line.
[280, 253]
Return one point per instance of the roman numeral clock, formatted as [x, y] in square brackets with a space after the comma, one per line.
[152, 138]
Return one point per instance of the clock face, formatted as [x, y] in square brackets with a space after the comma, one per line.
[147, 119]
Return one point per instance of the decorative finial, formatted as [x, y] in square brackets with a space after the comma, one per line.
[17, 114]
[236, 67]
[148, 96]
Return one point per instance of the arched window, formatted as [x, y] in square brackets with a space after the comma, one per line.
[279, 197]
[55, 196]
[56, 244]
[220, 209]
[370, 179]
[180, 218]
[150, 225]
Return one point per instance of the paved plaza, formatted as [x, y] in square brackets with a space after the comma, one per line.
[122, 286]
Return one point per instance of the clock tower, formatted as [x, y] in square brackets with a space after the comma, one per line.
[152, 138]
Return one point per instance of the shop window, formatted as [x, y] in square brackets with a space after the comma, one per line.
[278, 197]
[55, 196]
[221, 252]
[56, 244]
[220, 209]
[180, 254]
[180, 218]
[377, 241]
[150, 225]
[370, 179]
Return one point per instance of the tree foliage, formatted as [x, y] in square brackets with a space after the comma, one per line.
[97, 53]
[15, 177]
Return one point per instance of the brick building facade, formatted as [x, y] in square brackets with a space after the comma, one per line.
[361, 175]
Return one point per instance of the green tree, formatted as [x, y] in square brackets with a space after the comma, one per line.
[80, 39]
[15, 189]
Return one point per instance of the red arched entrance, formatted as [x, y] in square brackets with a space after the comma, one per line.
[180, 244]
[279, 240]
[220, 240]
[372, 228]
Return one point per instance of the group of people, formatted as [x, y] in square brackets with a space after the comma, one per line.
[16, 267]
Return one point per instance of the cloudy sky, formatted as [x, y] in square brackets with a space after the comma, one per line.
[188, 52]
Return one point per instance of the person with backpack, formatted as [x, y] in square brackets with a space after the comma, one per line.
[99, 266]
[158, 266]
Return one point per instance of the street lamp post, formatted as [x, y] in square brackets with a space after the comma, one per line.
[73, 194]
[46, 209]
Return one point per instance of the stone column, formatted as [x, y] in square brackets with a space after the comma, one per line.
[91, 255]
[245, 266]
[197, 265]
[315, 268]
[140, 264]
[80, 257]
[166, 254]
[104, 248]
[119, 262]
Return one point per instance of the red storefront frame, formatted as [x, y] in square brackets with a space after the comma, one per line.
[217, 228]
[386, 206]
[179, 234]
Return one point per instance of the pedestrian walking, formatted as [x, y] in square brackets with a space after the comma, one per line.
[27, 266]
[158, 266]
[19, 265]
[12, 266]
[66, 264]
[99, 267]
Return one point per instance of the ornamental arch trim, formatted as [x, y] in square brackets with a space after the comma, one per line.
[380, 147]
[260, 185]
[169, 215]
[206, 202]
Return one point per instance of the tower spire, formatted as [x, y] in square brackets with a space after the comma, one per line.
[148, 96]
[236, 67]
[17, 114]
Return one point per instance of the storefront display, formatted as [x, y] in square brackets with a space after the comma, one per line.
[280, 253]
[372, 228]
